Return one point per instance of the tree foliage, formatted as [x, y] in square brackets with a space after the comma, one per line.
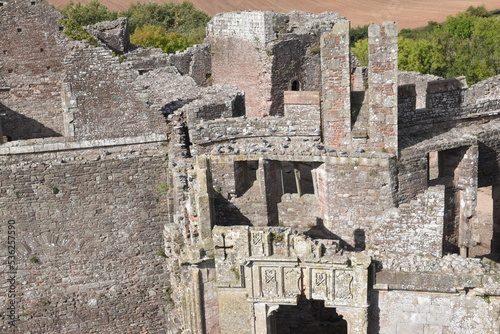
[152, 36]
[466, 44]
[181, 18]
[88, 14]
[75, 31]
[169, 26]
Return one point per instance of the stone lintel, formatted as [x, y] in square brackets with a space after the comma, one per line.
[301, 98]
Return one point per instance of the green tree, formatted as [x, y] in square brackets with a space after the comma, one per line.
[182, 18]
[358, 33]
[152, 36]
[182, 24]
[477, 11]
[75, 31]
[91, 13]
[424, 56]
[360, 51]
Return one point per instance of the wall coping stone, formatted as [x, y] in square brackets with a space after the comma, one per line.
[63, 144]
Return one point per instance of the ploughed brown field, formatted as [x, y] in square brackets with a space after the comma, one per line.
[407, 13]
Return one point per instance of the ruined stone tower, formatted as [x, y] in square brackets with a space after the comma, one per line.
[263, 182]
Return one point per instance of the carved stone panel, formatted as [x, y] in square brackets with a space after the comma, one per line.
[321, 284]
[269, 281]
[292, 282]
[258, 240]
[230, 252]
[343, 282]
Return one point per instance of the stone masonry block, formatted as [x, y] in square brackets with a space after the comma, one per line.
[301, 98]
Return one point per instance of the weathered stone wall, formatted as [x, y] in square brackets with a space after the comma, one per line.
[264, 54]
[335, 79]
[89, 244]
[358, 190]
[32, 49]
[414, 227]
[302, 105]
[250, 25]
[486, 89]
[293, 64]
[445, 94]
[100, 91]
[383, 86]
[424, 312]
[420, 81]
[242, 63]
[449, 103]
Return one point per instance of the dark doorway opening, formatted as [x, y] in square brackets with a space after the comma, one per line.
[309, 317]
[295, 86]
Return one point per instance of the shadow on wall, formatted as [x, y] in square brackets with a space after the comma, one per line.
[373, 313]
[16, 126]
[321, 232]
[227, 214]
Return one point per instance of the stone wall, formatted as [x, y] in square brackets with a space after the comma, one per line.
[383, 86]
[100, 92]
[486, 89]
[420, 81]
[254, 26]
[32, 49]
[294, 64]
[448, 102]
[436, 313]
[336, 94]
[89, 244]
[445, 94]
[415, 227]
[358, 191]
[242, 63]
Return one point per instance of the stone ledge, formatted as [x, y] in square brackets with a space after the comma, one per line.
[51, 145]
[301, 98]
[434, 282]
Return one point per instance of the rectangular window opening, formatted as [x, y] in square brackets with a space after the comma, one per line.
[245, 173]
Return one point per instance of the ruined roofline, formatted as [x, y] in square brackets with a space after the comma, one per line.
[265, 26]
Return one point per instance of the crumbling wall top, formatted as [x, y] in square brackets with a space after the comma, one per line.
[486, 89]
[260, 26]
[114, 34]
[255, 26]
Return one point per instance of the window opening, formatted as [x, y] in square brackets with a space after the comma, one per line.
[245, 175]
[295, 86]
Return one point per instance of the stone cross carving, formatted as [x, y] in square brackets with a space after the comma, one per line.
[224, 247]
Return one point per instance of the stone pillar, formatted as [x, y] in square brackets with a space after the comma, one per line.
[1, 133]
[192, 305]
[383, 86]
[495, 240]
[466, 190]
[336, 91]
[356, 317]
[272, 187]
[264, 319]
[296, 171]
[204, 199]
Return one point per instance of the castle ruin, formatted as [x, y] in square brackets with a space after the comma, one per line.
[262, 182]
